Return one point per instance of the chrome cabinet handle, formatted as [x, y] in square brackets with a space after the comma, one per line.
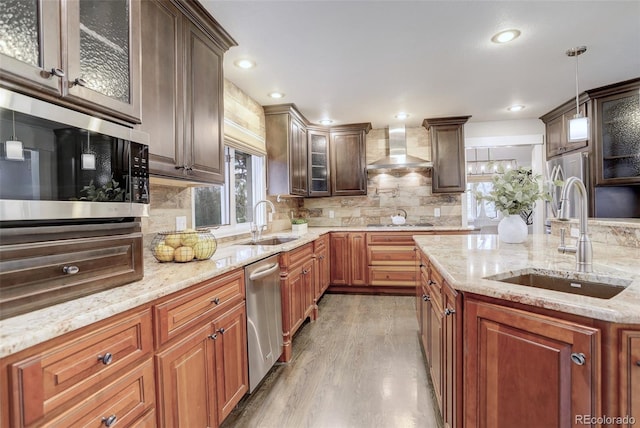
[216, 301]
[449, 311]
[71, 270]
[426, 298]
[213, 336]
[58, 72]
[79, 81]
[578, 358]
[106, 358]
[108, 421]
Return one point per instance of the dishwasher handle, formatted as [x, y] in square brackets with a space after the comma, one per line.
[262, 272]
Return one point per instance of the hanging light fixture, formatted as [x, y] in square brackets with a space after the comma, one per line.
[578, 129]
[13, 148]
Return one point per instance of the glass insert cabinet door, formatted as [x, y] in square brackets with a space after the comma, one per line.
[30, 43]
[620, 138]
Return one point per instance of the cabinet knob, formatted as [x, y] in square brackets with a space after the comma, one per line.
[426, 298]
[58, 72]
[431, 282]
[79, 82]
[106, 358]
[110, 420]
[578, 358]
[638, 363]
[71, 270]
[213, 336]
[216, 301]
[221, 331]
[449, 311]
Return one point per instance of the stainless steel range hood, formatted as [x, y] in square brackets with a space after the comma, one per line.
[398, 157]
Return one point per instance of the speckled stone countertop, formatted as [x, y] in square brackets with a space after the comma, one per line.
[160, 279]
[465, 261]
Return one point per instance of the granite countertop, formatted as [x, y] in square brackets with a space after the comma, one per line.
[466, 260]
[160, 279]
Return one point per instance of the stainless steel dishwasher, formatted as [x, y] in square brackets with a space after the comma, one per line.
[264, 317]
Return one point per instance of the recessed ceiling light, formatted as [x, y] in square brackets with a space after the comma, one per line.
[245, 63]
[326, 122]
[516, 107]
[401, 116]
[505, 36]
[276, 95]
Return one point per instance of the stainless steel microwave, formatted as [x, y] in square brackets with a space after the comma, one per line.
[59, 164]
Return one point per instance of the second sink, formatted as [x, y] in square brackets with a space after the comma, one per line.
[584, 285]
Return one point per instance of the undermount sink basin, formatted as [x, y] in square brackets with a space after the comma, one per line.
[278, 240]
[566, 282]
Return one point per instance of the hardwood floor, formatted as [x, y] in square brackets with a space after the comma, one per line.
[358, 365]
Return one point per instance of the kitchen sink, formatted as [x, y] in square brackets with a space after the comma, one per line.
[567, 282]
[277, 240]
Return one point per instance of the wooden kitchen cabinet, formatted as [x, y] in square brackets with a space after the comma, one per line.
[297, 291]
[75, 57]
[74, 378]
[232, 365]
[616, 133]
[447, 153]
[391, 259]
[629, 358]
[286, 138]
[348, 164]
[187, 381]
[556, 123]
[546, 369]
[318, 169]
[322, 266]
[182, 90]
[348, 259]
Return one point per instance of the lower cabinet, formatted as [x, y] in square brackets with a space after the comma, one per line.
[527, 370]
[348, 259]
[630, 376]
[322, 266]
[298, 292]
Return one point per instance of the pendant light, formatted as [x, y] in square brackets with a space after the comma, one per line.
[13, 148]
[578, 129]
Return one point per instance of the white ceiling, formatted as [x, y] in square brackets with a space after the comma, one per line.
[364, 61]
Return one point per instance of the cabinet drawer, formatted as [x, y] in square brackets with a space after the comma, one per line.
[190, 308]
[51, 379]
[296, 257]
[399, 276]
[435, 284]
[125, 399]
[391, 255]
[34, 275]
[321, 243]
[393, 238]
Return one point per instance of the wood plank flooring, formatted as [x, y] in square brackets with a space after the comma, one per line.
[358, 365]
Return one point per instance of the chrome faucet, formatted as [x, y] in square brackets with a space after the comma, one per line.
[582, 249]
[256, 230]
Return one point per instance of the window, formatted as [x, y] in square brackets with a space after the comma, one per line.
[474, 209]
[231, 206]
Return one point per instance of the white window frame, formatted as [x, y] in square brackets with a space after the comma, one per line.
[258, 183]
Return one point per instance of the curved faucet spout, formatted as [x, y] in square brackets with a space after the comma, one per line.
[583, 248]
[256, 231]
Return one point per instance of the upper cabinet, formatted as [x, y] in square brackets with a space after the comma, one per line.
[308, 160]
[616, 125]
[447, 153]
[182, 90]
[348, 164]
[556, 122]
[82, 54]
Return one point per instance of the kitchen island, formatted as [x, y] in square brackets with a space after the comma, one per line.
[557, 358]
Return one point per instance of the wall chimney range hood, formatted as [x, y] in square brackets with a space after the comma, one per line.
[398, 157]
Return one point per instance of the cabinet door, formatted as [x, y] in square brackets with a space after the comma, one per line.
[204, 149]
[31, 45]
[162, 67]
[296, 299]
[447, 146]
[348, 174]
[340, 259]
[298, 156]
[308, 288]
[358, 258]
[452, 361]
[232, 375]
[618, 137]
[434, 324]
[630, 375]
[187, 382]
[103, 56]
[546, 369]
[324, 270]
[318, 164]
[556, 136]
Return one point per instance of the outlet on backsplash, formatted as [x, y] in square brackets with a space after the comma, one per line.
[181, 223]
[436, 212]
